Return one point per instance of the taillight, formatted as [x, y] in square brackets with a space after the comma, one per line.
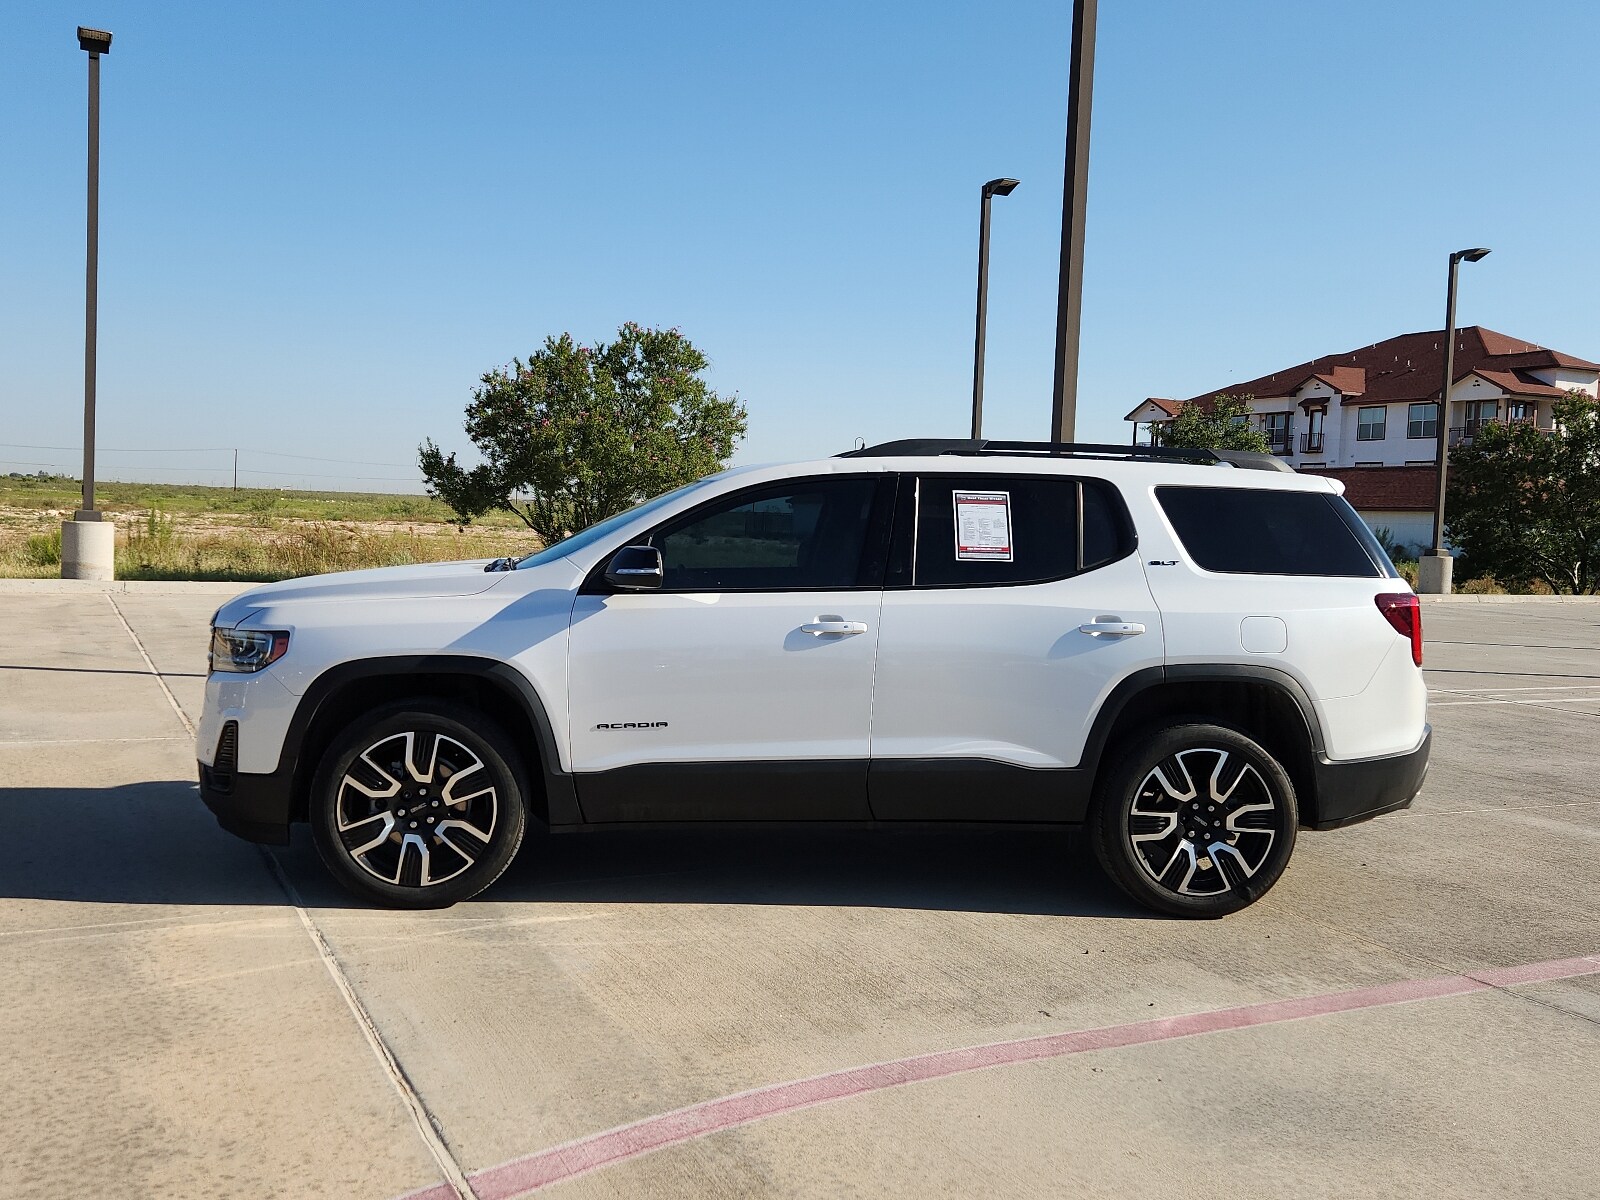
[1404, 611]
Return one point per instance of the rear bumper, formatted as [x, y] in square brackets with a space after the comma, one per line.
[1348, 792]
[255, 807]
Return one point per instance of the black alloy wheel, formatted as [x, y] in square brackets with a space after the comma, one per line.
[419, 805]
[1196, 820]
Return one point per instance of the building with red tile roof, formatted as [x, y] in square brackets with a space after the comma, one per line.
[1369, 416]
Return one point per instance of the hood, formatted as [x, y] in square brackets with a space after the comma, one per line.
[419, 582]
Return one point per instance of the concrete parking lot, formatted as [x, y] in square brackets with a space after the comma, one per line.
[1415, 1009]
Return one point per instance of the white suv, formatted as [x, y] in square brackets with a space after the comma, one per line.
[1192, 657]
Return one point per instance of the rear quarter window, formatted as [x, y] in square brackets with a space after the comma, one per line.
[1248, 531]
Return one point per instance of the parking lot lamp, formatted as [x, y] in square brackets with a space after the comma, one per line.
[88, 543]
[995, 187]
[1436, 568]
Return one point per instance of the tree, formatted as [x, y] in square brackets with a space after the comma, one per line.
[578, 433]
[1525, 504]
[1226, 425]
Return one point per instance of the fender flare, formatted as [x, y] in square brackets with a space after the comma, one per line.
[1154, 677]
[560, 792]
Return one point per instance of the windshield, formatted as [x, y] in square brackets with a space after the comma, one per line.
[600, 529]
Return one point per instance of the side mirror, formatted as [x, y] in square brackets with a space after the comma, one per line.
[636, 569]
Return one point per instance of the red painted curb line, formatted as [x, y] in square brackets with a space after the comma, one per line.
[534, 1172]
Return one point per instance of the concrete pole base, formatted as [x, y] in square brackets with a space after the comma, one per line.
[1435, 573]
[88, 550]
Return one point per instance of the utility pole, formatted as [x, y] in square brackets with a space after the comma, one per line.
[1074, 199]
[236, 470]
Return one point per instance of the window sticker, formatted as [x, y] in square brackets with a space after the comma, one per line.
[983, 526]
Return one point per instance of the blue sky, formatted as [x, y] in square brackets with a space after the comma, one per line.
[321, 222]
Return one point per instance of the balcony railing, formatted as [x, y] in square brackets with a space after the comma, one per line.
[1310, 443]
[1462, 435]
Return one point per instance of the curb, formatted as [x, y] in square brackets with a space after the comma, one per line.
[142, 587]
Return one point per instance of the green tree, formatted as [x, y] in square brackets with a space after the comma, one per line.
[1226, 425]
[578, 433]
[1525, 505]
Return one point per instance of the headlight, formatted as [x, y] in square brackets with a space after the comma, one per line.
[246, 650]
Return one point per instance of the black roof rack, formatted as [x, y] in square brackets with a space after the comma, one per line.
[910, 447]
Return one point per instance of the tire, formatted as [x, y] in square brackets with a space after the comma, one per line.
[1208, 781]
[389, 820]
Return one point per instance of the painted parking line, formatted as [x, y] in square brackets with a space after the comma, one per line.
[534, 1172]
[1554, 687]
[1539, 703]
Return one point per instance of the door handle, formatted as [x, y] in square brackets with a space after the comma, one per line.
[1111, 627]
[832, 626]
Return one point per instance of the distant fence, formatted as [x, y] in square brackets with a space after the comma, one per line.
[228, 465]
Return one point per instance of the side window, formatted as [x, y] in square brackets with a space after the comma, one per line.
[1107, 534]
[976, 530]
[1250, 531]
[807, 534]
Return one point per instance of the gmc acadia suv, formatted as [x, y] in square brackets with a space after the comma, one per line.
[1192, 653]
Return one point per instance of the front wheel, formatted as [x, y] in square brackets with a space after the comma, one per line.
[1195, 820]
[418, 805]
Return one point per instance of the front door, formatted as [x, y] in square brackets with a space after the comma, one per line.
[742, 688]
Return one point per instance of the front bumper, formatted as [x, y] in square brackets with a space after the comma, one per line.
[255, 807]
[1348, 792]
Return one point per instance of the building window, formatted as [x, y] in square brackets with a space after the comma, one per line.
[1276, 427]
[1525, 411]
[1370, 423]
[1422, 421]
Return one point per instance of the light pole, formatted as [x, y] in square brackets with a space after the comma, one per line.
[1436, 568]
[88, 543]
[1074, 198]
[995, 187]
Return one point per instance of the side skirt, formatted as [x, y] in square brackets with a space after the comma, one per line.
[977, 789]
[888, 791]
[796, 790]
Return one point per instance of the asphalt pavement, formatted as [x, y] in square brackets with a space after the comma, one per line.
[1414, 1009]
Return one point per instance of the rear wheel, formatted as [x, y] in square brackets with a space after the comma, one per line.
[1196, 820]
[418, 805]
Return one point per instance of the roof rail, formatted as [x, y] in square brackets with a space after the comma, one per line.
[909, 447]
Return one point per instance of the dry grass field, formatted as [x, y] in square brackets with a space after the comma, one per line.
[253, 535]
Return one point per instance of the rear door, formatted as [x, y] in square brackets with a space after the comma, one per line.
[1014, 604]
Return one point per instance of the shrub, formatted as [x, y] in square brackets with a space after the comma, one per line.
[43, 549]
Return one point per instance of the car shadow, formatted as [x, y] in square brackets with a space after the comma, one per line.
[155, 843]
[152, 842]
[1048, 873]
